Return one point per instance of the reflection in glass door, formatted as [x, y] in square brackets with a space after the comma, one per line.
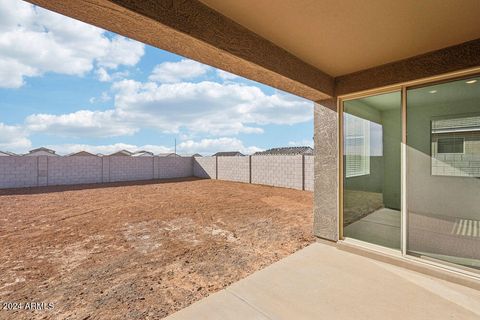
[443, 171]
[372, 135]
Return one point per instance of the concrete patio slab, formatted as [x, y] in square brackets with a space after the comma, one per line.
[325, 282]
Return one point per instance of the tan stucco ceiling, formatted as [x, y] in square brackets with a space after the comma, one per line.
[345, 36]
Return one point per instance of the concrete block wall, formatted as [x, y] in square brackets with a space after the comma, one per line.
[42, 171]
[205, 167]
[294, 172]
[309, 172]
[281, 171]
[105, 169]
[18, 172]
[177, 167]
[278, 171]
[73, 170]
[234, 169]
[131, 169]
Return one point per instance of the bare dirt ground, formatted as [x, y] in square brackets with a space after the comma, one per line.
[140, 250]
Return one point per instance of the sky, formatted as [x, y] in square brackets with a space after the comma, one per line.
[70, 86]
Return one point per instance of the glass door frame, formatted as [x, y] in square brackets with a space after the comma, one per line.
[402, 88]
[340, 107]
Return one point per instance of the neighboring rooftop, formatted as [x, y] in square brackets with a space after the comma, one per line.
[142, 153]
[81, 153]
[191, 155]
[168, 154]
[121, 153]
[228, 154]
[42, 151]
[7, 153]
[286, 151]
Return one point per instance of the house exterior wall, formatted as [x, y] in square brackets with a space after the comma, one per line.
[445, 195]
[325, 203]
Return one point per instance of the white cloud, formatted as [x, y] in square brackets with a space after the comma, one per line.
[207, 107]
[121, 51]
[210, 146]
[194, 108]
[301, 143]
[104, 76]
[83, 123]
[171, 72]
[224, 75]
[103, 98]
[13, 138]
[204, 146]
[34, 41]
[53, 43]
[12, 73]
[106, 149]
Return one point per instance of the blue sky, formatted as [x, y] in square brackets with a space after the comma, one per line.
[71, 86]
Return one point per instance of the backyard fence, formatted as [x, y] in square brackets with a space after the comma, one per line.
[286, 171]
[276, 170]
[18, 171]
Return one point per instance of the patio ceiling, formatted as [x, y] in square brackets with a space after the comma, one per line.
[314, 49]
[342, 37]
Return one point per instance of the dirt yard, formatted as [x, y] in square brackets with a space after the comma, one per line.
[140, 250]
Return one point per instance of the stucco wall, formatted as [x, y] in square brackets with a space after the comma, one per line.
[325, 204]
[450, 196]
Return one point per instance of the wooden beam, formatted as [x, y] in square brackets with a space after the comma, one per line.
[451, 59]
[192, 29]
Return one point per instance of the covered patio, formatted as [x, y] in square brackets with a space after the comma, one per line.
[381, 76]
[325, 281]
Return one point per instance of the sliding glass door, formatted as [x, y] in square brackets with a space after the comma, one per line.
[443, 171]
[371, 168]
[438, 212]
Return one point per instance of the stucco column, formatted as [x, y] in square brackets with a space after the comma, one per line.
[326, 222]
